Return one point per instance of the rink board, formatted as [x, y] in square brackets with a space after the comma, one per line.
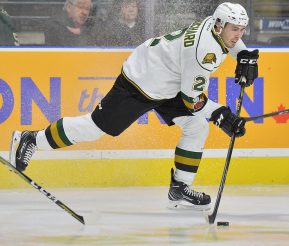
[146, 172]
[39, 86]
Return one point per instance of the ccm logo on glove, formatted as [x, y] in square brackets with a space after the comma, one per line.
[249, 61]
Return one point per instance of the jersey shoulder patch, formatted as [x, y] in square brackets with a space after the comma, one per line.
[210, 58]
[208, 51]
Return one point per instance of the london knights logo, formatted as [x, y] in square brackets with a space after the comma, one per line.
[209, 58]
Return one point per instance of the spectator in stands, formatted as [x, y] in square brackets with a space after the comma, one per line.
[8, 36]
[126, 28]
[70, 29]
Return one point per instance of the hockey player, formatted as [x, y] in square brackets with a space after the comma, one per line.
[170, 75]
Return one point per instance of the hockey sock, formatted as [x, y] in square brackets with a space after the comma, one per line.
[187, 164]
[187, 160]
[68, 131]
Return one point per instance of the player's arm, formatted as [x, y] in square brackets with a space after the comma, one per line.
[194, 84]
[220, 115]
[195, 81]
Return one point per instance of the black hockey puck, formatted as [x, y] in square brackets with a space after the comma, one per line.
[222, 223]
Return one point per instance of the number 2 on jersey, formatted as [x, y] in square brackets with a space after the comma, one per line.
[169, 37]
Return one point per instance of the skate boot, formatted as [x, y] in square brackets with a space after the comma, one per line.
[181, 196]
[23, 146]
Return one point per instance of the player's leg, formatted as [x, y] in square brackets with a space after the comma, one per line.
[117, 111]
[188, 155]
[62, 133]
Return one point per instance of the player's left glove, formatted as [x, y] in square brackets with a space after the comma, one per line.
[247, 66]
[228, 122]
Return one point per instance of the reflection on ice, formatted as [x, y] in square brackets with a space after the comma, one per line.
[138, 216]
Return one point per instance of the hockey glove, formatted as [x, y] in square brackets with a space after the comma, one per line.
[247, 66]
[229, 122]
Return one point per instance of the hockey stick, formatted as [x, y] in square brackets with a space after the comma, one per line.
[41, 190]
[211, 217]
[285, 111]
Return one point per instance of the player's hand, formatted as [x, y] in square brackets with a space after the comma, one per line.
[229, 122]
[247, 67]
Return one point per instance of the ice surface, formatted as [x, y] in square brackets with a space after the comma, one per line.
[138, 216]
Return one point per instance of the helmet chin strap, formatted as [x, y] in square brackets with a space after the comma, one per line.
[219, 32]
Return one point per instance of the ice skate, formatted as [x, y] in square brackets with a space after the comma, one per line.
[182, 196]
[23, 146]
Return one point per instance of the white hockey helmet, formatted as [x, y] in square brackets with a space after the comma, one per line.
[233, 13]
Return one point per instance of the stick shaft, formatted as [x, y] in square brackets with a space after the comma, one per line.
[285, 111]
[212, 216]
[42, 190]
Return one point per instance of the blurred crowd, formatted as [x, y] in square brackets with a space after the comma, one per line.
[124, 26]
[8, 35]
[124, 23]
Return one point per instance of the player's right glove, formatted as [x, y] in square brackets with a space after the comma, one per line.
[247, 67]
[229, 122]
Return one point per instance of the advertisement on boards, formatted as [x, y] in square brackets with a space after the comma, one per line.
[39, 87]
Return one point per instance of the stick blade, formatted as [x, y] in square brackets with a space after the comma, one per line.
[211, 219]
[80, 219]
[208, 217]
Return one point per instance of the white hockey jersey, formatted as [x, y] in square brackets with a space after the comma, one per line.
[181, 61]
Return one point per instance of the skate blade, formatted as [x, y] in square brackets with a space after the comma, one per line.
[183, 205]
[16, 136]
